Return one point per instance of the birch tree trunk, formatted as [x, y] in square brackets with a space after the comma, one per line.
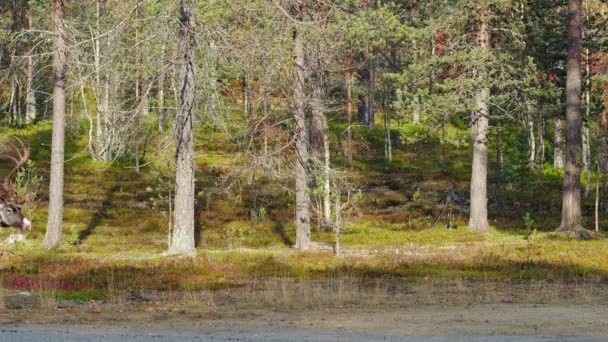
[182, 241]
[558, 145]
[531, 142]
[301, 137]
[479, 202]
[571, 196]
[52, 237]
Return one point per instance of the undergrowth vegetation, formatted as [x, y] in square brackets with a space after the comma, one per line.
[116, 219]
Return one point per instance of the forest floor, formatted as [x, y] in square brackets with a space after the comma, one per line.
[408, 261]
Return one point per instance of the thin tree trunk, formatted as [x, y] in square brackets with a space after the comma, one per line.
[597, 199]
[30, 91]
[501, 172]
[301, 134]
[571, 197]
[52, 237]
[416, 110]
[541, 143]
[531, 143]
[479, 202]
[388, 147]
[586, 158]
[183, 231]
[338, 223]
[246, 97]
[88, 115]
[161, 94]
[558, 145]
[371, 104]
[586, 137]
[327, 174]
[349, 115]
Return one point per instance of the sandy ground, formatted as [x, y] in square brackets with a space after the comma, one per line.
[465, 311]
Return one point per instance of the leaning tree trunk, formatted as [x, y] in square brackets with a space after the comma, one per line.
[479, 202]
[301, 137]
[182, 241]
[571, 196]
[52, 237]
[558, 145]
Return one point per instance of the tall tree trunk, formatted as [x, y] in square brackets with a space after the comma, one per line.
[246, 96]
[301, 136]
[586, 137]
[183, 230]
[416, 110]
[362, 108]
[52, 237]
[597, 199]
[371, 103]
[349, 115]
[161, 93]
[320, 141]
[571, 197]
[30, 91]
[479, 176]
[500, 165]
[586, 158]
[541, 143]
[558, 145]
[531, 143]
[388, 143]
[14, 102]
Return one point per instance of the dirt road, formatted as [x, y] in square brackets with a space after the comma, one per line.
[322, 311]
[496, 322]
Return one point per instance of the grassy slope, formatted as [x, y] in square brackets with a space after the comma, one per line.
[114, 237]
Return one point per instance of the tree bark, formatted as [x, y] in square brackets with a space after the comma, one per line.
[320, 142]
[586, 158]
[301, 137]
[558, 145]
[161, 93]
[349, 116]
[371, 104]
[531, 142]
[479, 202]
[52, 237]
[541, 143]
[571, 196]
[182, 241]
[597, 199]
[30, 92]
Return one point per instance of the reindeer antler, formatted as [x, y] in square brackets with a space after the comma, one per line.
[16, 155]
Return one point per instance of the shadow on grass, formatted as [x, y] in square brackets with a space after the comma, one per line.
[279, 229]
[98, 215]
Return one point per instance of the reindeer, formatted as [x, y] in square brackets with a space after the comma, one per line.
[10, 213]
